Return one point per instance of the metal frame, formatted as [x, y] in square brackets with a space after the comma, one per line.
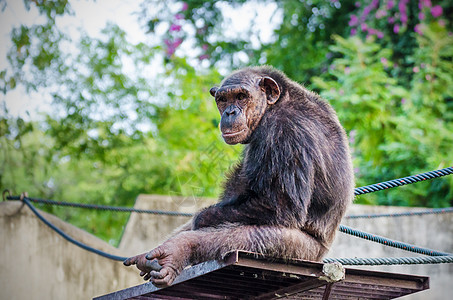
[244, 275]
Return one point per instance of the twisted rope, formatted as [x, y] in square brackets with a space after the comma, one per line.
[390, 243]
[402, 181]
[391, 260]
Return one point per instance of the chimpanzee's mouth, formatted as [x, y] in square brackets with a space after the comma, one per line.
[232, 133]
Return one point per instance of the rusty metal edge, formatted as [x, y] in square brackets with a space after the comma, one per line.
[250, 259]
[186, 274]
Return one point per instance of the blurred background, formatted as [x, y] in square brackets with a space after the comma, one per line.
[105, 100]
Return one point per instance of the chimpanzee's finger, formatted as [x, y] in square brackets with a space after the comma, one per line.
[155, 253]
[165, 281]
[153, 265]
[159, 275]
[147, 276]
[130, 261]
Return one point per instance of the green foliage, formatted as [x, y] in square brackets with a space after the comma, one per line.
[394, 130]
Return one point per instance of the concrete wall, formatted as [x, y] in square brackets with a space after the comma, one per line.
[36, 263]
[143, 232]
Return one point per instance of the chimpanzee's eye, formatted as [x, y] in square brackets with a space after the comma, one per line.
[241, 96]
[221, 99]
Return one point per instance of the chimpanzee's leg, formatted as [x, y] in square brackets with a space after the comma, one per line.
[195, 246]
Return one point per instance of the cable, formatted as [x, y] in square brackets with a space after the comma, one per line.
[70, 239]
[390, 243]
[391, 260]
[103, 207]
[403, 214]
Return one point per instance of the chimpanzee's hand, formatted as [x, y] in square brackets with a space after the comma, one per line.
[143, 264]
[165, 262]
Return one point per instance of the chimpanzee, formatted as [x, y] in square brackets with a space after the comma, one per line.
[289, 191]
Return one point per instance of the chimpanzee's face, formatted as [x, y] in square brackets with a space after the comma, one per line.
[242, 100]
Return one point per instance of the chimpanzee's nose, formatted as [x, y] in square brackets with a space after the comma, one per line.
[231, 110]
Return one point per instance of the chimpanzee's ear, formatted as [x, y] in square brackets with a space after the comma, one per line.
[270, 87]
[213, 90]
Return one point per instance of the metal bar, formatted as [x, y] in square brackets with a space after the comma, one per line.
[327, 291]
[293, 289]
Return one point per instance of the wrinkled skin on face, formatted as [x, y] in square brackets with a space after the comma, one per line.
[242, 100]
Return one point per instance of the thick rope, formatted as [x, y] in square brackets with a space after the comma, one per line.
[402, 181]
[391, 260]
[390, 243]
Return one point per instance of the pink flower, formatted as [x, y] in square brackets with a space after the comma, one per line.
[418, 29]
[364, 27]
[391, 20]
[179, 16]
[380, 34]
[404, 18]
[421, 16]
[436, 11]
[185, 6]
[172, 45]
[441, 23]
[175, 27]
[205, 47]
[424, 3]
[353, 31]
[380, 14]
[354, 20]
[390, 4]
[204, 56]
[177, 42]
[428, 77]
[358, 4]
[402, 7]
[347, 70]
[384, 61]
[403, 100]
[416, 69]
[396, 28]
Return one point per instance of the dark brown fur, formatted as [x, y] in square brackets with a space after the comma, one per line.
[288, 193]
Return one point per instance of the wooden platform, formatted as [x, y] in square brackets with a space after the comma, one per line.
[245, 275]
